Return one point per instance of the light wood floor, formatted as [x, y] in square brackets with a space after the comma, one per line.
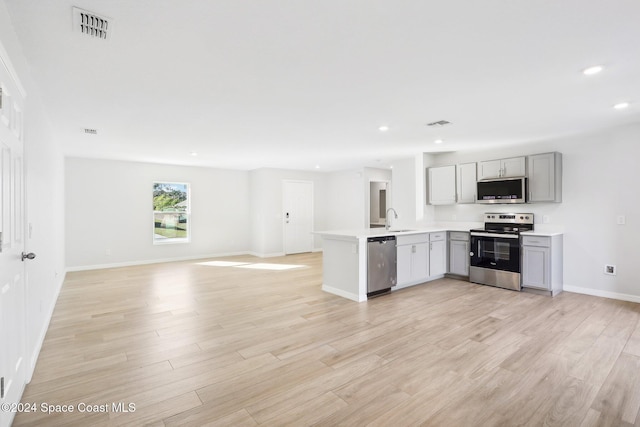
[193, 344]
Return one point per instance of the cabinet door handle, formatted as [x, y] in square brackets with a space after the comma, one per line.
[413, 249]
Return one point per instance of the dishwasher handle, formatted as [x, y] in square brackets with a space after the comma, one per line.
[382, 239]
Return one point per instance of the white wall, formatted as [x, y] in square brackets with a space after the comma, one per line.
[109, 210]
[404, 199]
[600, 178]
[45, 218]
[44, 202]
[267, 208]
[345, 201]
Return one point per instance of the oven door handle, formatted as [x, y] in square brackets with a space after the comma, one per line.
[496, 236]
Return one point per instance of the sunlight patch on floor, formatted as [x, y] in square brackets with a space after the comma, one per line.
[268, 266]
[221, 263]
[255, 266]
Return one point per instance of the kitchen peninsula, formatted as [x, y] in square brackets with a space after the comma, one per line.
[345, 257]
[427, 253]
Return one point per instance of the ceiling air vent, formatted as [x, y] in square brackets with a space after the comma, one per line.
[92, 24]
[439, 123]
[90, 131]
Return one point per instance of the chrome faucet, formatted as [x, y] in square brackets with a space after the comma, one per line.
[387, 224]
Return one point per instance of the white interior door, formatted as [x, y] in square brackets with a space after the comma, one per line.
[12, 303]
[297, 199]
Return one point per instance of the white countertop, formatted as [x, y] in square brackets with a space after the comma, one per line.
[374, 232]
[427, 228]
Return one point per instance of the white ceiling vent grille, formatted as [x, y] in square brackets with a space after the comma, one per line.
[91, 24]
[90, 131]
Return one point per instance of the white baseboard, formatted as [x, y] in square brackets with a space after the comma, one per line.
[341, 293]
[603, 294]
[43, 333]
[150, 261]
[261, 255]
[174, 259]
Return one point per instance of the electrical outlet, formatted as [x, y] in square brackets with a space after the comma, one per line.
[610, 270]
[107, 252]
[546, 219]
[621, 220]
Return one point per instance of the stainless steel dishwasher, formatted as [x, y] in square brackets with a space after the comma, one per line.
[381, 265]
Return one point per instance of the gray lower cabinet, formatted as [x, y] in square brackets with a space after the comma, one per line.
[458, 253]
[421, 257]
[437, 253]
[413, 259]
[542, 263]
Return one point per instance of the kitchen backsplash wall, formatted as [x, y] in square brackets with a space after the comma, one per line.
[600, 176]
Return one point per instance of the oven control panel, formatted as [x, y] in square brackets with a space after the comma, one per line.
[511, 218]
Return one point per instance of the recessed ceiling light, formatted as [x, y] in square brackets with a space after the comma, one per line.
[317, 166]
[621, 105]
[193, 153]
[438, 141]
[383, 128]
[592, 70]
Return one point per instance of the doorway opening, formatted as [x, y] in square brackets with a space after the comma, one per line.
[378, 202]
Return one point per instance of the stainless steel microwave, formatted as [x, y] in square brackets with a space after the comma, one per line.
[503, 190]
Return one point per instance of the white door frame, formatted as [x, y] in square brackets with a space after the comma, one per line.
[285, 182]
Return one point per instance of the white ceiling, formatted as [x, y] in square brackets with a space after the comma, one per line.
[300, 83]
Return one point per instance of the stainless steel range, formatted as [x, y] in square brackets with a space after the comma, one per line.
[495, 250]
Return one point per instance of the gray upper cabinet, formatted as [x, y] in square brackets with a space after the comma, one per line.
[545, 177]
[466, 183]
[502, 168]
[452, 184]
[442, 185]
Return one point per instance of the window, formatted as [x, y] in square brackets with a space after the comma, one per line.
[171, 212]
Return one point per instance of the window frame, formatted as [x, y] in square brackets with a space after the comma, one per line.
[187, 213]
